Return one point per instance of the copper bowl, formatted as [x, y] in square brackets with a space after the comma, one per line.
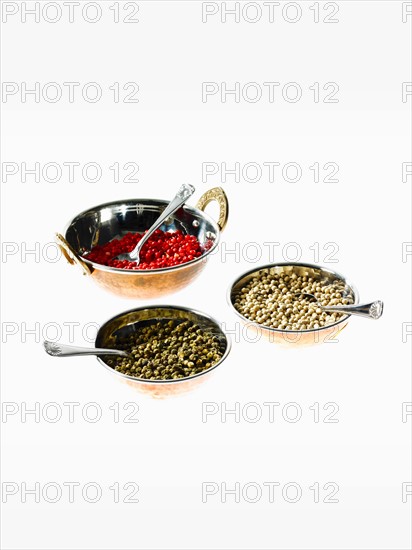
[99, 225]
[125, 323]
[293, 338]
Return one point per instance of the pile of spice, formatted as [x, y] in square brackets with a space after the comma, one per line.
[167, 349]
[273, 300]
[163, 249]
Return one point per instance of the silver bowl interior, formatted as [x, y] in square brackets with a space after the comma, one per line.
[102, 223]
[310, 270]
[128, 321]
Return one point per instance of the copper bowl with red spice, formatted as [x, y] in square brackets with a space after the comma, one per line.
[91, 234]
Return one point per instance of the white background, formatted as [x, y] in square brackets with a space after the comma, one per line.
[169, 133]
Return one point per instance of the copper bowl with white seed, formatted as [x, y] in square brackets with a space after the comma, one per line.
[294, 338]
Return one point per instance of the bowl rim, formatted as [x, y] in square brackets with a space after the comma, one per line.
[298, 264]
[171, 380]
[146, 272]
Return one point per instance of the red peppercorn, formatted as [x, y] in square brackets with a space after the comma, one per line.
[163, 249]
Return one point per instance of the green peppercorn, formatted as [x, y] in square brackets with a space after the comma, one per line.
[167, 350]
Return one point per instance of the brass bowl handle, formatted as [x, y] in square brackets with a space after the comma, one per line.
[216, 194]
[71, 255]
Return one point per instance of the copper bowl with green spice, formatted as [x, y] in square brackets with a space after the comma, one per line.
[124, 326]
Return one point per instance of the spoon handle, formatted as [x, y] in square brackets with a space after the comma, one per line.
[373, 310]
[185, 191]
[63, 350]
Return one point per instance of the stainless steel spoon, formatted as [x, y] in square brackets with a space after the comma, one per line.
[373, 310]
[62, 350]
[180, 198]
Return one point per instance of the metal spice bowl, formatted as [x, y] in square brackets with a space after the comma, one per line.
[126, 323]
[294, 338]
[104, 222]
